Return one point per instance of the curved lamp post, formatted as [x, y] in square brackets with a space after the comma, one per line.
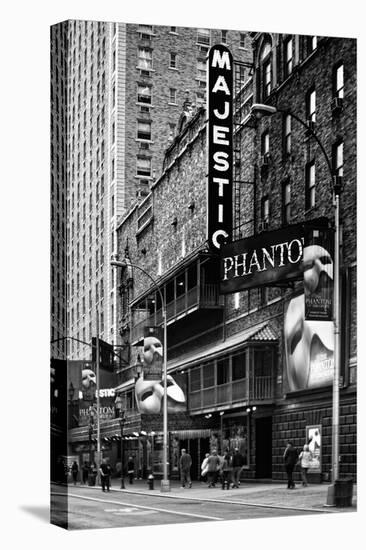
[165, 484]
[260, 110]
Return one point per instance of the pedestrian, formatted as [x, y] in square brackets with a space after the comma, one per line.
[290, 457]
[213, 467]
[105, 475]
[185, 468]
[227, 469]
[85, 471]
[130, 469]
[305, 458]
[238, 463]
[204, 467]
[74, 471]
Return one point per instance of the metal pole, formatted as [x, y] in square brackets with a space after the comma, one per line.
[335, 423]
[98, 397]
[122, 456]
[165, 486]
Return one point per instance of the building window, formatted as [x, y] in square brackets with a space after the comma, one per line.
[236, 300]
[266, 70]
[143, 94]
[144, 59]
[287, 134]
[312, 43]
[338, 81]
[203, 37]
[173, 61]
[143, 130]
[286, 202]
[267, 78]
[172, 130]
[242, 40]
[311, 105]
[223, 37]
[143, 166]
[310, 185]
[201, 69]
[173, 29]
[338, 159]
[172, 95]
[265, 209]
[288, 57]
[265, 144]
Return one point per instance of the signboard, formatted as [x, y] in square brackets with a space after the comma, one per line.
[106, 354]
[265, 259]
[309, 348]
[314, 440]
[88, 395]
[318, 275]
[219, 143]
[153, 353]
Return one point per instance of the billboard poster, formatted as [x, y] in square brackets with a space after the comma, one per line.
[153, 353]
[318, 275]
[314, 440]
[219, 143]
[88, 394]
[309, 348]
[149, 394]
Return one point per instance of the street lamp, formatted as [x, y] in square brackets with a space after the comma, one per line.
[260, 110]
[165, 484]
[122, 420]
[91, 428]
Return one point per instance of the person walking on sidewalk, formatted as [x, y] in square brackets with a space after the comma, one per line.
[238, 463]
[227, 469]
[130, 469]
[85, 472]
[105, 475]
[290, 457]
[185, 468]
[213, 466]
[305, 458]
[74, 471]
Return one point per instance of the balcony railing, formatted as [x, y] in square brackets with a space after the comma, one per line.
[259, 388]
[203, 296]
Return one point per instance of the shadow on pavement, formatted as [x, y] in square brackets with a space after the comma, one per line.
[41, 512]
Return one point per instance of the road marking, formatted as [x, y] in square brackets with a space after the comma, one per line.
[135, 511]
[146, 507]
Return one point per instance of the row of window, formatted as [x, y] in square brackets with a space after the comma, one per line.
[310, 187]
[288, 48]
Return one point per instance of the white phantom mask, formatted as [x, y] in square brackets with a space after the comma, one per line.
[153, 350]
[307, 344]
[149, 395]
[88, 378]
[316, 260]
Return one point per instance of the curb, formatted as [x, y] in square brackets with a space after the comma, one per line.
[325, 510]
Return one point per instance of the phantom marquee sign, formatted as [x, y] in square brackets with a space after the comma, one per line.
[270, 257]
[220, 137]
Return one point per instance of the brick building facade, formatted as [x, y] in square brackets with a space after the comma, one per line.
[228, 351]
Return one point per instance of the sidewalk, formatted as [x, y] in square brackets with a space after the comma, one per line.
[276, 495]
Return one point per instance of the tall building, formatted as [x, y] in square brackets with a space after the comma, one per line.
[117, 95]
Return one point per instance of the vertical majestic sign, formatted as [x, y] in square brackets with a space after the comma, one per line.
[219, 144]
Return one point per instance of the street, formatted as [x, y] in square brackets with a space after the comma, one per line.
[91, 508]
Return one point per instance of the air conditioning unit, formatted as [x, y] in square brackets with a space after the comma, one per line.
[263, 226]
[311, 125]
[337, 184]
[336, 104]
[265, 159]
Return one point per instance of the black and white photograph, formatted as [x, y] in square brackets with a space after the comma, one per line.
[192, 297]
[203, 274]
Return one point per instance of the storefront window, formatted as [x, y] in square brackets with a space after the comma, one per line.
[236, 436]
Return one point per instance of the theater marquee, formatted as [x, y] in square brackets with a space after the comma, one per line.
[219, 143]
[265, 259]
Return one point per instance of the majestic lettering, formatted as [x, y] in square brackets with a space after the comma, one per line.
[219, 181]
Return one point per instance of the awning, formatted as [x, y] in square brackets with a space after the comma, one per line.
[259, 333]
[190, 434]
